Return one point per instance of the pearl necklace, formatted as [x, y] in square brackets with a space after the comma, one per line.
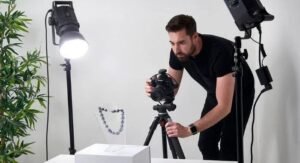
[101, 110]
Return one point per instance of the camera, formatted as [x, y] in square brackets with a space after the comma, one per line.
[163, 87]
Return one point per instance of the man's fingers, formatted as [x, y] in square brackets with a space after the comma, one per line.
[148, 87]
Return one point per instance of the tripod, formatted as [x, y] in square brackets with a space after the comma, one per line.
[162, 118]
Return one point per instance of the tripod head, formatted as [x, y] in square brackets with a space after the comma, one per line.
[163, 108]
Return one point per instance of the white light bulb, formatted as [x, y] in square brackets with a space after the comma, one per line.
[74, 48]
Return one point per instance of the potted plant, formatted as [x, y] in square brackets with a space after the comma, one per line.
[20, 84]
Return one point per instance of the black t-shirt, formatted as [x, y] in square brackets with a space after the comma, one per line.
[216, 59]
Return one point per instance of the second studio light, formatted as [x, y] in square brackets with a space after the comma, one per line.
[72, 44]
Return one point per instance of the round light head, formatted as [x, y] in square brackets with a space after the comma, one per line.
[72, 45]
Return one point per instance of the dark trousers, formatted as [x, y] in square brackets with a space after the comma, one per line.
[220, 141]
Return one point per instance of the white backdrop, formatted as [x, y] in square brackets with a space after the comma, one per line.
[128, 44]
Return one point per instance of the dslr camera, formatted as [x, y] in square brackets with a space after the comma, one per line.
[164, 86]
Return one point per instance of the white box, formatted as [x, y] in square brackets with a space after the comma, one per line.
[112, 153]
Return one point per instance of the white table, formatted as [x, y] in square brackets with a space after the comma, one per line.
[71, 159]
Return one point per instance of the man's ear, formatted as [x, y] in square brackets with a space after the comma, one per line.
[195, 35]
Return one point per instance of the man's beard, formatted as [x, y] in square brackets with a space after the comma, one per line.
[183, 58]
[186, 57]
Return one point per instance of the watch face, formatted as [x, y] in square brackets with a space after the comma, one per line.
[193, 129]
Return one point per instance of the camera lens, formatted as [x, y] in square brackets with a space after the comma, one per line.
[158, 93]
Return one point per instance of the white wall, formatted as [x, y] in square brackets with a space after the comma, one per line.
[128, 44]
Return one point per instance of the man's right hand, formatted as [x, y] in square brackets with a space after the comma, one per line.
[148, 88]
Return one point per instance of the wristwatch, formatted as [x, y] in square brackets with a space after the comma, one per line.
[193, 129]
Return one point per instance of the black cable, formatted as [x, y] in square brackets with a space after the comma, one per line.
[259, 46]
[253, 120]
[267, 87]
[254, 40]
[48, 85]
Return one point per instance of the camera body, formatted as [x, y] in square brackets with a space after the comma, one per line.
[163, 87]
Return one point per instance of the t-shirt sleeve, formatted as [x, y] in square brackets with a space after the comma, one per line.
[223, 63]
[174, 62]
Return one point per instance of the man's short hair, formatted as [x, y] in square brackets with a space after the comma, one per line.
[180, 22]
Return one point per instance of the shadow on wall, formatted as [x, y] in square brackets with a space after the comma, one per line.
[280, 118]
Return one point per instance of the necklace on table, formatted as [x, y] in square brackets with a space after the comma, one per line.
[101, 110]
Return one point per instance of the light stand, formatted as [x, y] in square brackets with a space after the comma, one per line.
[247, 15]
[67, 66]
[72, 45]
[238, 58]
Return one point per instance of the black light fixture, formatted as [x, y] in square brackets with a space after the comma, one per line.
[63, 20]
[71, 45]
[248, 13]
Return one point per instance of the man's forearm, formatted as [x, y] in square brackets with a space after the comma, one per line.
[212, 117]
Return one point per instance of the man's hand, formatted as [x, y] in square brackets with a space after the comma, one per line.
[174, 129]
[148, 87]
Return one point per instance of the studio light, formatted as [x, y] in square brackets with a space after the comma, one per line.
[248, 13]
[71, 44]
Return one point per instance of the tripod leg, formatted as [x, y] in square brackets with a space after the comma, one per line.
[151, 130]
[172, 148]
[164, 140]
[173, 141]
[177, 147]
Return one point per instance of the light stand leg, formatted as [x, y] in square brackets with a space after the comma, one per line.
[239, 120]
[70, 106]
[239, 100]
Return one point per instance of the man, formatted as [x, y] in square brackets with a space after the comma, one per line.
[209, 60]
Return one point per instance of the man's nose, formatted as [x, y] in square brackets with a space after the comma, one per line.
[176, 49]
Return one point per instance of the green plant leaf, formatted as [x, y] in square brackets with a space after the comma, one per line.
[20, 84]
